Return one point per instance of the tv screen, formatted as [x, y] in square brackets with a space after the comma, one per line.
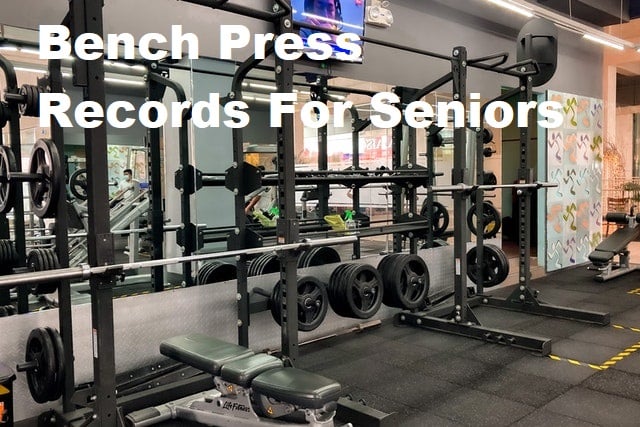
[345, 16]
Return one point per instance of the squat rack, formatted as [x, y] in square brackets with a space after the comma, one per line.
[86, 16]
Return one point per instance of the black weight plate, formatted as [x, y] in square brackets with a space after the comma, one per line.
[203, 273]
[490, 219]
[5, 262]
[7, 189]
[385, 268]
[313, 303]
[44, 193]
[410, 281]
[439, 218]
[78, 184]
[487, 135]
[321, 256]
[333, 289]
[341, 290]
[364, 291]
[3, 311]
[221, 272]
[494, 266]
[58, 385]
[40, 348]
[489, 178]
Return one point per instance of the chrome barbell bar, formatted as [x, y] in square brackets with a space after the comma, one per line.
[85, 271]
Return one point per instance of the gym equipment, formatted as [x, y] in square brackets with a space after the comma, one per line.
[313, 302]
[250, 389]
[8, 256]
[27, 98]
[355, 290]
[616, 244]
[85, 272]
[264, 264]
[405, 279]
[4, 114]
[43, 178]
[439, 218]
[538, 40]
[44, 364]
[494, 266]
[321, 255]
[43, 260]
[7, 310]
[78, 184]
[490, 219]
[216, 271]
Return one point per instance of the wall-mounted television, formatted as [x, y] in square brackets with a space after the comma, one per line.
[345, 16]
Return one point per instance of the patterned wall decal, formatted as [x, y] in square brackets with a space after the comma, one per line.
[574, 162]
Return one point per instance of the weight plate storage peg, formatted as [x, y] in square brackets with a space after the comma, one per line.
[494, 265]
[44, 192]
[312, 302]
[355, 290]
[7, 188]
[42, 365]
[78, 184]
[405, 279]
[43, 260]
[491, 221]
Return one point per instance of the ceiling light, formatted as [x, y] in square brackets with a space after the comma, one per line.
[565, 22]
[513, 7]
[603, 41]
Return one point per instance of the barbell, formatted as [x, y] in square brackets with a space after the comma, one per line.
[85, 271]
[27, 98]
[43, 177]
[471, 188]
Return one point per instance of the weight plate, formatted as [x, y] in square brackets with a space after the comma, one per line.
[7, 188]
[490, 219]
[489, 178]
[5, 114]
[219, 271]
[320, 255]
[312, 303]
[45, 160]
[264, 264]
[439, 218]
[40, 349]
[364, 291]
[39, 260]
[333, 290]
[78, 184]
[487, 135]
[31, 105]
[494, 266]
[58, 384]
[384, 267]
[406, 279]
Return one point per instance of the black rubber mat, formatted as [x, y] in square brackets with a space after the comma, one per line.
[449, 367]
[543, 417]
[596, 407]
[612, 381]
[547, 368]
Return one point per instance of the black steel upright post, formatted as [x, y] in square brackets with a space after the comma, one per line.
[525, 176]
[18, 209]
[86, 17]
[155, 92]
[396, 191]
[357, 125]
[288, 225]
[62, 249]
[459, 175]
[319, 93]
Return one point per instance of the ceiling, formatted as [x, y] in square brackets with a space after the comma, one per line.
[596, 12]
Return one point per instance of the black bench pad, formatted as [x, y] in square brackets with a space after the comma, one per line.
[202, 352]
[297, 387]
[619, 240]
[598, 257]
[243, 371]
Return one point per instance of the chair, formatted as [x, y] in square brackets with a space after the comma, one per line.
[614, 204]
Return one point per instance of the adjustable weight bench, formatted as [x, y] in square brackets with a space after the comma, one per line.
[616, 244]
[250, 389]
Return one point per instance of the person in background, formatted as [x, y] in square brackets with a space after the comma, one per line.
[322, 13]
[129, 188]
